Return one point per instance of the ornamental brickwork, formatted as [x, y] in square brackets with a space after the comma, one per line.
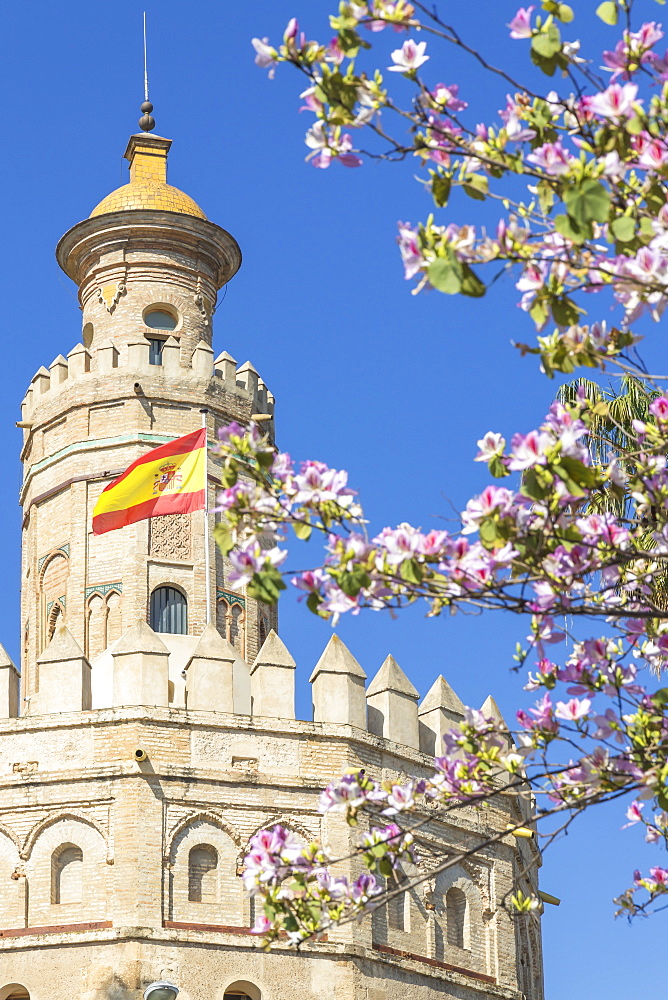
[135, 764]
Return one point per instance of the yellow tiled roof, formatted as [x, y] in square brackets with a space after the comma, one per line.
[148, 187]
[162, 197]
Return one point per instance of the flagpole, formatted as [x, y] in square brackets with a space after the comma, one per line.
[207, 555]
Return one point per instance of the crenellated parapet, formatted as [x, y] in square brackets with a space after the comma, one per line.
[142, 666]
[196, 371]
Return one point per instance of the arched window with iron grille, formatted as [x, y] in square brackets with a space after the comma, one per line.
[168, 611]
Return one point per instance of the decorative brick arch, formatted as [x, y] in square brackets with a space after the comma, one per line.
[231, 620]
[82, 838]
[10, 835]
[54, 571]
[100, 630]
[12, 880]
[224, 903]
[203, 816]
[77, 817]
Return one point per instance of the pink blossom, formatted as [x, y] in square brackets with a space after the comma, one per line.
[634, 814]
[520, 25]
[411, 253]
[400, 799]
[490, 445]
[409, 57]
[653, 155]
[250, 559]
[615, 102]
[660, 877]
[552, 158]
[528, 450]
[262, 925]
[291, 31]
[572, 710]
[398, 543]
[327, 144]
[434, 543]
[266, 56]
[493, 499]
[334, 52]
[446, 97]
[659, 408]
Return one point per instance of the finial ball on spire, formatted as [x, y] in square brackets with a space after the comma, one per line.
[146, 122]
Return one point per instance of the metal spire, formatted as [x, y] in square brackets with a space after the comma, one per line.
[146, 122]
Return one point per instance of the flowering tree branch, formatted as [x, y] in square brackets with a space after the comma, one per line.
[579, 529]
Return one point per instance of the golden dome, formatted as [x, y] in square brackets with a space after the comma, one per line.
[148, 187]
[162, 197]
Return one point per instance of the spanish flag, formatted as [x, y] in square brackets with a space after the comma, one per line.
[170, 479]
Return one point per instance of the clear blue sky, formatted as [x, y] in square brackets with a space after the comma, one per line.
[393, 387]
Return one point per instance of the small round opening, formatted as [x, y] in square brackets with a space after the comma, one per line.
[87, 335]
[160, 319]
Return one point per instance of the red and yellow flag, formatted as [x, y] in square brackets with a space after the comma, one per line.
[170, 479]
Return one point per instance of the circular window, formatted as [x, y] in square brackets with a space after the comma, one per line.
[160, 319]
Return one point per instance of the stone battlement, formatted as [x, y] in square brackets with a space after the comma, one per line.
[133, 360]
[206, 673]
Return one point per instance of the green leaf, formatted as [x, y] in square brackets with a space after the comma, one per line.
[223, 538]
[471, 283]
[588, 202]
[411, 571]
[266, 585]
[565, 311]
[313, 602]
[571, 230]
[497, 468]
[608, 12]
[623, 229]
[302, 531]
[229, 474]
[488, 533]
[559, 10]
[548, 66]
[476, 186]
[539, 313]
[352, 581]
[445, 274]
[531, 487]
[647, 230]
[583, 474]
[548, 43]
[440, 189]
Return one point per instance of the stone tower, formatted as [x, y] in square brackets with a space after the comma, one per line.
[145, 748]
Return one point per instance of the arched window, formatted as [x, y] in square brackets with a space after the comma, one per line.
[237, 627]
[242, 990]
[14, 991]
[231, 621]
[457, 918]
[67, 874]
[396, 906]
[96, 639]
[160, 319]
[202, 874]
[169, 611]
[113, 617]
